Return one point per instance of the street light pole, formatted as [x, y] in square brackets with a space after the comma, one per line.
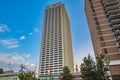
[50, 75]
[49, 72]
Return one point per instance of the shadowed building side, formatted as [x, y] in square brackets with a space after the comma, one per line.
[104, 24]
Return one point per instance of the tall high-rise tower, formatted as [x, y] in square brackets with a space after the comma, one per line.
[104, 23]
[56, 46]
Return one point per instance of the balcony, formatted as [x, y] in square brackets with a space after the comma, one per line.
[117, 32]
[112, 3]
[111, 12]
[118, 39]
[116, 21]
[116, 26]
[104, 1]
[115, 16]
[112, 7]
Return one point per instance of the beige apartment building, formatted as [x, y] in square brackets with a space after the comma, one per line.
[104, 23]
[56, 45]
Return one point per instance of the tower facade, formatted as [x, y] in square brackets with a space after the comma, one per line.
[56, 46]
[104, 23]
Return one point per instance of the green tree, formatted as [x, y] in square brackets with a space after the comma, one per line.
[102, 67]
[88, 69]
[66, 75]
[95, 71]
[27, 76]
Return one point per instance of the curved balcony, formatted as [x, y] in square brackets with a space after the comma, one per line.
[111, 3]
[117, 32]
[115, 16]
[118, 42]
[112, 8]
[116, 21]
[116, 26]
[111, 12]
[104, 1]
[118, 39]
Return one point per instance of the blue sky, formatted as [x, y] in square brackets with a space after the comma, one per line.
[21, 24]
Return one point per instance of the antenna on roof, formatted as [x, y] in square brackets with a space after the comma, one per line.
[9, 65]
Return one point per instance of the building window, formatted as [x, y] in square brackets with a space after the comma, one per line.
[105, 50]
[96, 19]
[103, 43]
[101, 38]
[99, 32]
[98, 27]
[97, 23]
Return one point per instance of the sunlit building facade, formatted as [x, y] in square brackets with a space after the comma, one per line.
[56, 45]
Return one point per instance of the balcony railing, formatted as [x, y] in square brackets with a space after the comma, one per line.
[112, 3]
[115, 16]
[116, 26]
[111, 12]
[117, 32]
[104, 1]
[112, 7]
[118, 39]
[116, 21]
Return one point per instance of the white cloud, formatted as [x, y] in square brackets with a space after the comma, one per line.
[5, 58]
[13, 46]
[17, 57]
[22, 37]
[9, 43]
[4, 28]
[36, 30]
[12, 58]
[26, 55]
[31, 33]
